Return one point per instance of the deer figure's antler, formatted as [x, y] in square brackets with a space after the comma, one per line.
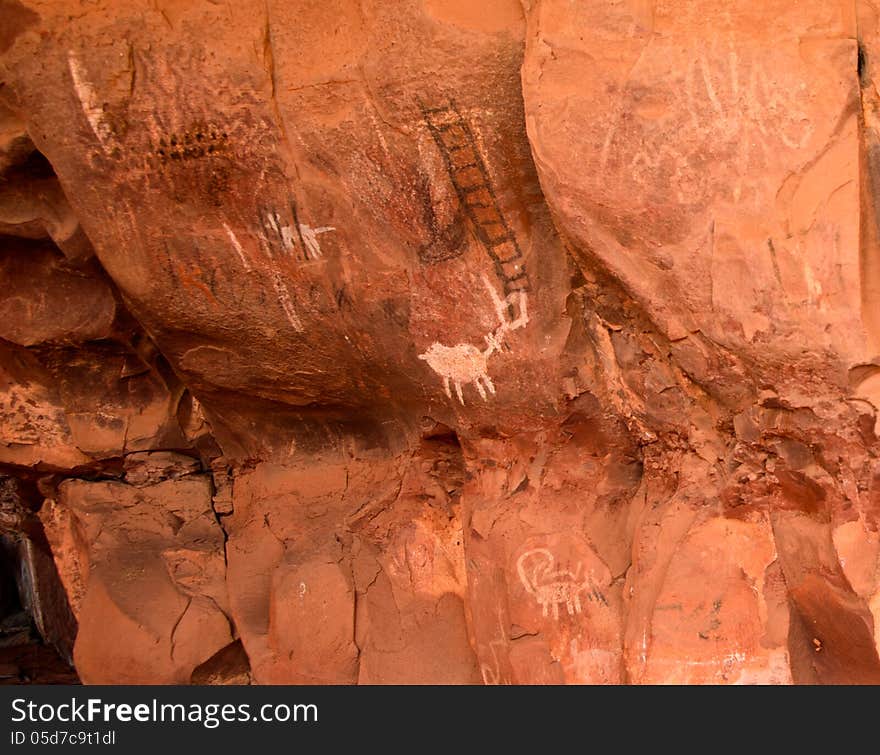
[499, 304]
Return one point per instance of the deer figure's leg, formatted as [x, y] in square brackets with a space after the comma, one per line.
[577, 603]
[479, 387]
[446, 386]
[489, 384]
[544, 607]
[555, 609]
[458, 392]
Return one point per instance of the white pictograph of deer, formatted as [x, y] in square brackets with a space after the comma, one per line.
[551, 587]
[465, 363]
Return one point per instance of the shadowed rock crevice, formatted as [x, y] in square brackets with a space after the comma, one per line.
[37, 627]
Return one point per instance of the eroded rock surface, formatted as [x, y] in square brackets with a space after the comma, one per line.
[418, 342]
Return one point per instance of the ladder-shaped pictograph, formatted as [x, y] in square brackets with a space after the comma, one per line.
[470, 178]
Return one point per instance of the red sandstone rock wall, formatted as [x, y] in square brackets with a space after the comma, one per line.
[433, 341]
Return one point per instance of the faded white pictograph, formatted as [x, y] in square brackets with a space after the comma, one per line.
[287, 233]
[465, 363]
[726, 112]
[589, 662]
[310, 239]
[731, 101]
[551, 587]
[285, 301]
[491, 672]
[89, 101]
[283, 231]
[238, 248]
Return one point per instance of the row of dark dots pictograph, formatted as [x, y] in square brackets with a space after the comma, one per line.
[195, 142]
